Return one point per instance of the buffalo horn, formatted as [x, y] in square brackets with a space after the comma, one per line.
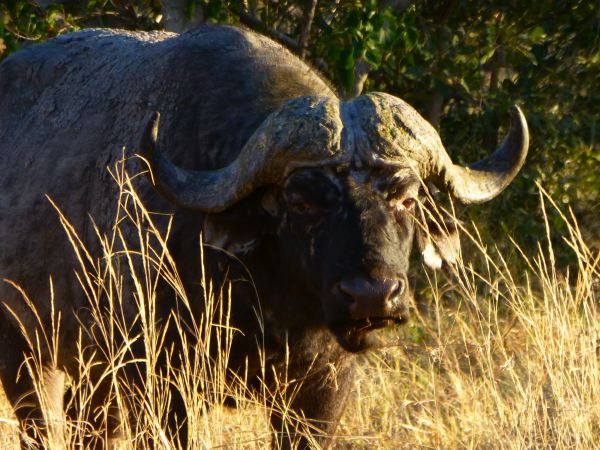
[207, 190]
[305, 132]
[485, 179]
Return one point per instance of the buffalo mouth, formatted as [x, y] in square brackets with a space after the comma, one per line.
[355, 335]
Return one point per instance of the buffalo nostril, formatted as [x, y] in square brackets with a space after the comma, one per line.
[373, 288]
[390, 288]
[372, 297]
[401, 287]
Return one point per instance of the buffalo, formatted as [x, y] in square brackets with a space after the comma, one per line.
[310, 202]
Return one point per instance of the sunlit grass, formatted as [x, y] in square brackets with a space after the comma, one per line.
[497, 354]
[491, 363]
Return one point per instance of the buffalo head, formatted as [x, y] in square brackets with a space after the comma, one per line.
[341, 187]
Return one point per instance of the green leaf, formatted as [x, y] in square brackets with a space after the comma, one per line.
[536, 34]
[487, 55]
[345, 68]
[374, 56]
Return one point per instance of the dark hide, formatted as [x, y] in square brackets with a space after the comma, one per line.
[327, 251]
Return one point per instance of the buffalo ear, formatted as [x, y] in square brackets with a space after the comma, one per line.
[241, 228]
[437, 236]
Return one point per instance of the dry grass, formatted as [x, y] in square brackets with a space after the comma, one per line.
[491, 363]
[491, 358]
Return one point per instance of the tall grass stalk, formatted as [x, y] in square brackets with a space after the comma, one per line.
[492, 358]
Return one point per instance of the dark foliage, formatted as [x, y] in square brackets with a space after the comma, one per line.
[461, 64]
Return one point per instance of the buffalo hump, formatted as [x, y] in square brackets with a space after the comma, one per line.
[68, 107]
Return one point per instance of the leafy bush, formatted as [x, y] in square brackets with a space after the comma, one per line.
[462, 65]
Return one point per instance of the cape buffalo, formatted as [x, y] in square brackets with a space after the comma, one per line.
[316, 197]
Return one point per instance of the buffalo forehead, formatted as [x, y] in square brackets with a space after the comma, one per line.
[373, 131]
[389, 132]
[306, 131]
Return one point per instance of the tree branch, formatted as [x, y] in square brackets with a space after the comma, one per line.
[496, 66]
[361, 73]
[307, 19]
[258, 25]
[437, 100]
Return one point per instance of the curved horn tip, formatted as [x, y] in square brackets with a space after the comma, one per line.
[517, 111]
[518, 121]
[485, 179]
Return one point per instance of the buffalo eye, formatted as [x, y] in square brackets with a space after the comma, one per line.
[301, 205]
[310, 192]
[409, 203]
[406, 204]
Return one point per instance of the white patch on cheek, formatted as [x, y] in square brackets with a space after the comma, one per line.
[397, 206]
[431, 257]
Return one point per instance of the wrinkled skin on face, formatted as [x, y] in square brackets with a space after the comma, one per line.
[343, 183]
[346, 229]
[342, 239]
